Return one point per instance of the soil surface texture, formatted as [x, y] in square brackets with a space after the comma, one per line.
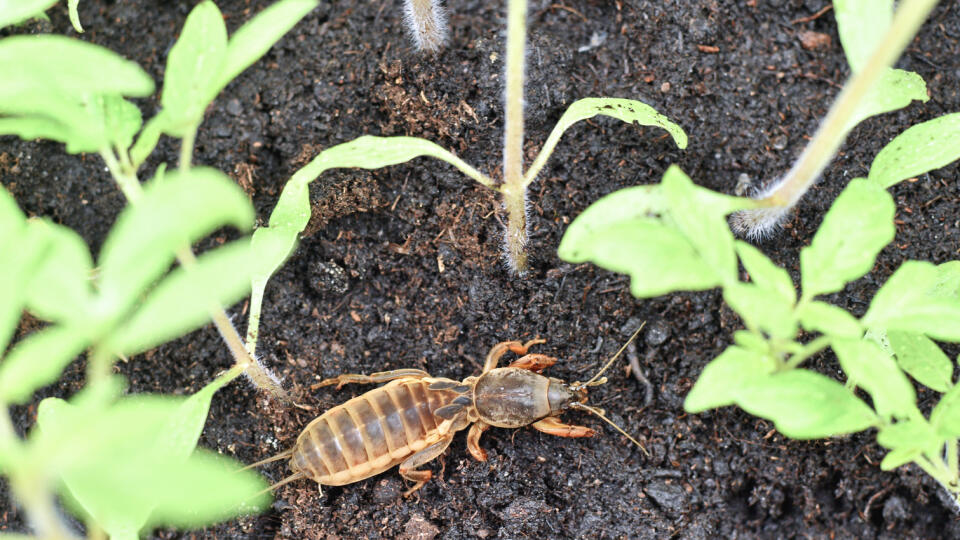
[401, 267]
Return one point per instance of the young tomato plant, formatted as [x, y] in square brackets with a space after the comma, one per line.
[674, 236]
[125, 463]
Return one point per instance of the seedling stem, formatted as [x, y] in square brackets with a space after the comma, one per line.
[514, 190]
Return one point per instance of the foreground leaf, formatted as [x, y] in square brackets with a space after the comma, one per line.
[922, 359]
[171, 215]
[806, 405]
[725, 376]
[918, 150]
[829, 320]
[945, 416]
[59, 288]
[912, 301]
[854, 230]
[861, 24]
[765, 274]
[38, 360]
[869, 367]
[16, 11]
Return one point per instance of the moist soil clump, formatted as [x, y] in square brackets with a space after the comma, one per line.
[401, 268]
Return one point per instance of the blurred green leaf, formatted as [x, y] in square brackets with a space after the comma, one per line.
[895, 90]
[147, 140]
[861, 24]
[920, 149]
[855, 229]
[37, 361]
[898, 457]
[922, 359]
[830, 320]
[252, 40]
[947, 285]
[170, 216]
[193, 67]
[751, 341]
[806, 405]
[18, 253]
[765, 274]
[16, 11]
[121, 120]
[912, 301]
[723, 378]
[869, 367]
[183, 300]
[945, 416]
[760, 309]
[915, 433]
[45, 63]
[59, 288]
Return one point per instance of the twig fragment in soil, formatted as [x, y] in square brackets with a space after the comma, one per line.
[639, 376]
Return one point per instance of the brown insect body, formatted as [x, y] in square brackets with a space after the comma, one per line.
[412, 419]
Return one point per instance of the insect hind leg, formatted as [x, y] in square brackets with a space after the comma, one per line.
[373, 378]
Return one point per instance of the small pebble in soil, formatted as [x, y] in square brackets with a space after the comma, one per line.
[668, 494]
[419, 528]
[657, 332]
[328, 278]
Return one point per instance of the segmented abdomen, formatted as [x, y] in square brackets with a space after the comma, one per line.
[370, 433]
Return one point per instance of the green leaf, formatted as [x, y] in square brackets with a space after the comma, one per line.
[945, 416]
[658, 259]
[38, 360]
[751, 341]
[896, 458]
[920, 357]
[170, 216]
[759, 309]
[869, 367]
[121, 120]
[915, 433]
[50, 63]
[59, 287]
[806, 405]
[254, 38]
[911, 300]
[725, 376]
[147, 140]
[920, 149]
[628, 204]
[20, 253]
[36, 127]
[183, 301]
[830, 320]
[895, 90]
[118, 471]
[765, 274]
[74, 16]
[625, 110]
[17, 11]
[193, 68]
[183, 428]
[700, 214]
[861, 24]
[947, 284]
[855, 229]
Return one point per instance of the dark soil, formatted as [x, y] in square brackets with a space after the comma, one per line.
[401, 267]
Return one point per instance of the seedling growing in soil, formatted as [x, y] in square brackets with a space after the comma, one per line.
[673, 236]
[873, 89]
[125, 463]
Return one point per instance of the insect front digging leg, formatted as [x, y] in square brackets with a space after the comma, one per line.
[552, 426]
[498, 350]
[473, 440]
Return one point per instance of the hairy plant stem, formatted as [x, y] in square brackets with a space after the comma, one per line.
[133, 191]
[834, 128]
[514, 192]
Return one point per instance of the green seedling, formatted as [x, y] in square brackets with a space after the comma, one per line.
[673, 236]
[426, 21]
[125, 463]
[873, 38]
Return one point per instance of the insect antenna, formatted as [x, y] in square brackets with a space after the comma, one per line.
[283, 482]
[596, 380]
[282, 455]
[599, 412]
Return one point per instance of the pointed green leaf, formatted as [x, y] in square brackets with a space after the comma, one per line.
[855, 229]
[147, 140]
[919, 356]
[765, 274]
[914, 434]
[121, 120]
[830, 320]
[751, 341]
[254, 38]
[627, 204]
[861, 24]
[869, 367]
[170, 216]
[899, 457]
[16, 11]
[947, 284]
[183, 301]
[920, 149]
[806, 405]
[725, 376]
[193, 69]
[59, 288]
[38, 360]
[895, 90]
[911, 300]
[625, 110]
[22, 249]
